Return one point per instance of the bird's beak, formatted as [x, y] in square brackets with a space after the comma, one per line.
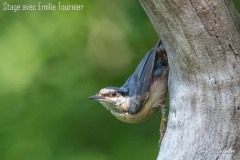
[96, 97]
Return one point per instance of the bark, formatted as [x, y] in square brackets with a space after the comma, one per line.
[202, 39]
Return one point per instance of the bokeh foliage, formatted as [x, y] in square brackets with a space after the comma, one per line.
[51, 61]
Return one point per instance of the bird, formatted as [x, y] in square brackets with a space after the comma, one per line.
[143, 93]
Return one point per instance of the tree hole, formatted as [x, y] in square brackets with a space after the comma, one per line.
[230, 46]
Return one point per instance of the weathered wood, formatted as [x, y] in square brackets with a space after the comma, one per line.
[202, 39]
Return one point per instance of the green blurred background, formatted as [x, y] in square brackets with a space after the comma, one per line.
[51, 62]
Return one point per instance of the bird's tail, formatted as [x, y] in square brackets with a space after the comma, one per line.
[161, 52]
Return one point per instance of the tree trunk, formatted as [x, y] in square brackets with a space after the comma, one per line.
[202, 39]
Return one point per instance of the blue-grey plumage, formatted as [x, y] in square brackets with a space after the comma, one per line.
[144, 91]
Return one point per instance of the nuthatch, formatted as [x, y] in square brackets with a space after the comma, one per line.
[143, 93]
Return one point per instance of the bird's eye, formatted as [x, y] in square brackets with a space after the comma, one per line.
[114, 94]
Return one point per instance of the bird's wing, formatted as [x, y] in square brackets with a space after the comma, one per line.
[138, 84]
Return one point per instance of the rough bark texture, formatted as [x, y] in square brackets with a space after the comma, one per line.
[202, 39]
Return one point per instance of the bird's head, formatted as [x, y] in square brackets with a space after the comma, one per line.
[114, 99]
